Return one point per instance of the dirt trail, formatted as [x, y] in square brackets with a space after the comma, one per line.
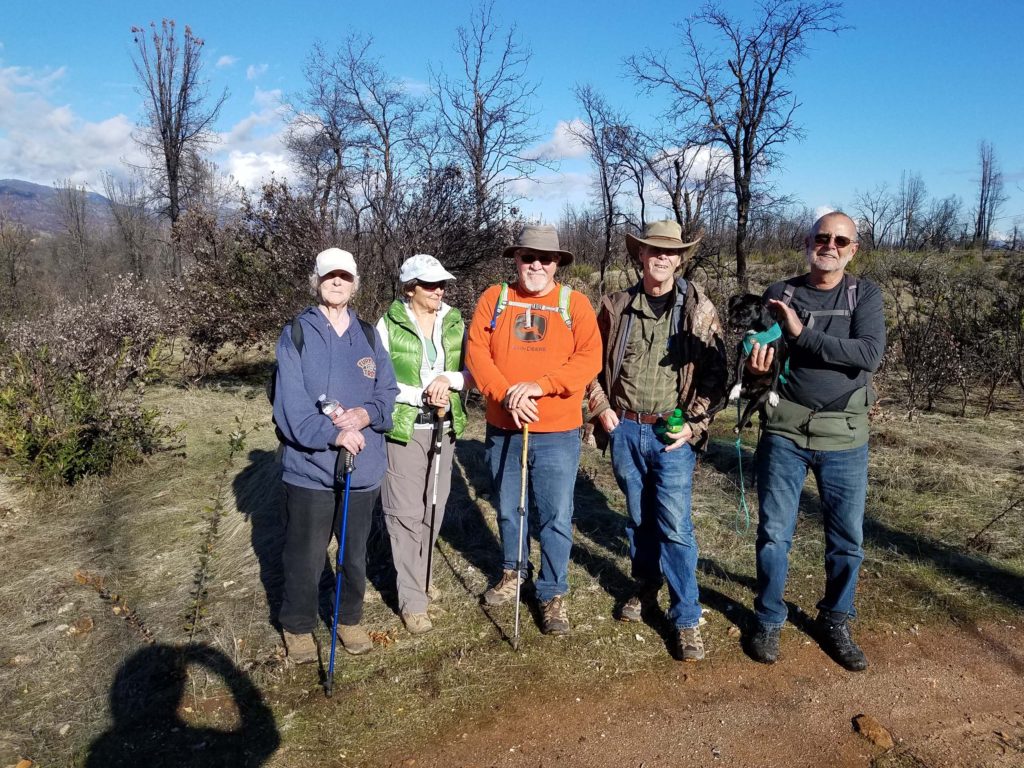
[949, 696]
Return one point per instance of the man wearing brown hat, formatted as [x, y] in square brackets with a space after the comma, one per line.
[533, 348]
[663, 350]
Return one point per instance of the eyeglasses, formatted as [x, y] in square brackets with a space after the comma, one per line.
[543, 258]
[432, 286]
[824, 238]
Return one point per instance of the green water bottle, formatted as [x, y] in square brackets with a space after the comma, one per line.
[673, 427]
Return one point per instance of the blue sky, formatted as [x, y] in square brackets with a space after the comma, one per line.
[912, 86]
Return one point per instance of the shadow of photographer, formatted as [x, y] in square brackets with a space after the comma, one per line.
[148, 730]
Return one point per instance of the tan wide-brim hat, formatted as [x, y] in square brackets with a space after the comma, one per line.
[660, 234]
[540, 237]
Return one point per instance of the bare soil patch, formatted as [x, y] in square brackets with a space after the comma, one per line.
[949, 696]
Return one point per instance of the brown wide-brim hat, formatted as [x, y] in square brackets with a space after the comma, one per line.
[660, 234]
[539, 237]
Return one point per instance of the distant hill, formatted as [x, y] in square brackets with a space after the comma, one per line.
[35, 206]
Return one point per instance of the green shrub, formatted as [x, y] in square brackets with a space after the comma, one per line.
[72, 385]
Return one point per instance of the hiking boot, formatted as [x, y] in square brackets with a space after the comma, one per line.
[764, 644]
[689, 644]
[301, 649]
[417, 623]
[504, 591]
[836, 641]
[645, 595]
[354, 639]
[556, 620]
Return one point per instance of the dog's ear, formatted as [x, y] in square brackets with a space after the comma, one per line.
[735, 301]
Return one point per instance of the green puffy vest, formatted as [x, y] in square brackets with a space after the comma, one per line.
[407, 358]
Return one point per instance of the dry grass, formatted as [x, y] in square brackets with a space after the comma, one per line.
[934, 482]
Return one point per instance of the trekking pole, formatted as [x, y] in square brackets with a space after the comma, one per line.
[343, 466]
[438, 439]
[522, 519]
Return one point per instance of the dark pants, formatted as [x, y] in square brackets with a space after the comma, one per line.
[311, 516]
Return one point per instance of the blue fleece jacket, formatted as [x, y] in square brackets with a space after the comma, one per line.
[345, 369]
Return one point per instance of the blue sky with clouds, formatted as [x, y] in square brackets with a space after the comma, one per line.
[911, 86]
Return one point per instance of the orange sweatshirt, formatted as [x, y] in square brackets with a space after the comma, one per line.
[562, 361]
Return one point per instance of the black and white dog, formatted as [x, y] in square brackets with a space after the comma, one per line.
[747, 311]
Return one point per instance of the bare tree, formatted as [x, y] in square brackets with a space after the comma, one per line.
[73, 211]
[877, 214]
[15, 240]
[910, 201]
[599, 133]
[688, 176]
[941, 226]
[735, 95]
[179, 118]
[486, 113]
[127, 199]
[990, 194]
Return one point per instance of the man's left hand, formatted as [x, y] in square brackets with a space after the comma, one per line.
[681, 440]
[787, 317]
[517, 393]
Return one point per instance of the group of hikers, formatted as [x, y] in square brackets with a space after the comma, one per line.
[651, 363]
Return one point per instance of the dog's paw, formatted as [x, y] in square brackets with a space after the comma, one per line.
[734, 394]
[773, 399]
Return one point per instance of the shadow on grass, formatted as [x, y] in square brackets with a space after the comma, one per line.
[148, 729]
[259, 498]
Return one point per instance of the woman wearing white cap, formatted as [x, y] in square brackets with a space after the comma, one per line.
[424, 337]
[334, 388]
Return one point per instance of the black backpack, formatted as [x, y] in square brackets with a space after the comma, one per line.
[299, 342]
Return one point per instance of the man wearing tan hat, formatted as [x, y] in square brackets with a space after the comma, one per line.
[533, 348]
[663, 350]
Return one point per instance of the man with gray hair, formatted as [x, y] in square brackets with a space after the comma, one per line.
[835, 330]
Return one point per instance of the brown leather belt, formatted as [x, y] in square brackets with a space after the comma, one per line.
[642, 418]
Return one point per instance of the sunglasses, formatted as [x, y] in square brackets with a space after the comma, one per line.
[823, 238]
[543, 258]
[432, 286]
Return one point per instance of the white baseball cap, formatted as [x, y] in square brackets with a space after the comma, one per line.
[335, 258]
[425, 268]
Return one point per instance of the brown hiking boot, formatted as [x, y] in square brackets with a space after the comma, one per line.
[354, 639]
[556, 620]
[301, 649]
[504, 591]
[417, 623]
[689, 644]
[645, 595]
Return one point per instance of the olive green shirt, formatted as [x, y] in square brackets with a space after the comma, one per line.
[649, 379]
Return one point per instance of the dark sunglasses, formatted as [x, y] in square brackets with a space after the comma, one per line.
[823, 238]
[543, 258]
[432, 286]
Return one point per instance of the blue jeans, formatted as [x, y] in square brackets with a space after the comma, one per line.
[842, 478]
[657, 486]
[552, 460]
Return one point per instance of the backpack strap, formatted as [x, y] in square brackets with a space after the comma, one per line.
[564, 292]
[368, 332]
[851, 302]
[297, 335]
[499, 307]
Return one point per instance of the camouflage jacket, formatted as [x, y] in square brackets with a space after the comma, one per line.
[697, 348]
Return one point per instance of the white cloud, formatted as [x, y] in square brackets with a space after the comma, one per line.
[562, 144]
[821, 210]
[250, 169]
[42, 142]
[254, 71]
[226, 61]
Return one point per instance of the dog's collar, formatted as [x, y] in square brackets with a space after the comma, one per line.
[764, 337]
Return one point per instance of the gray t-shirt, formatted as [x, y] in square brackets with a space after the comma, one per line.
[831, 360]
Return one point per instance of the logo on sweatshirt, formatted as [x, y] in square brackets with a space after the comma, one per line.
[369, 367]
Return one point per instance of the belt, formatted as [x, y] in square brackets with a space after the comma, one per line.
[642, 418]
[428, 417]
